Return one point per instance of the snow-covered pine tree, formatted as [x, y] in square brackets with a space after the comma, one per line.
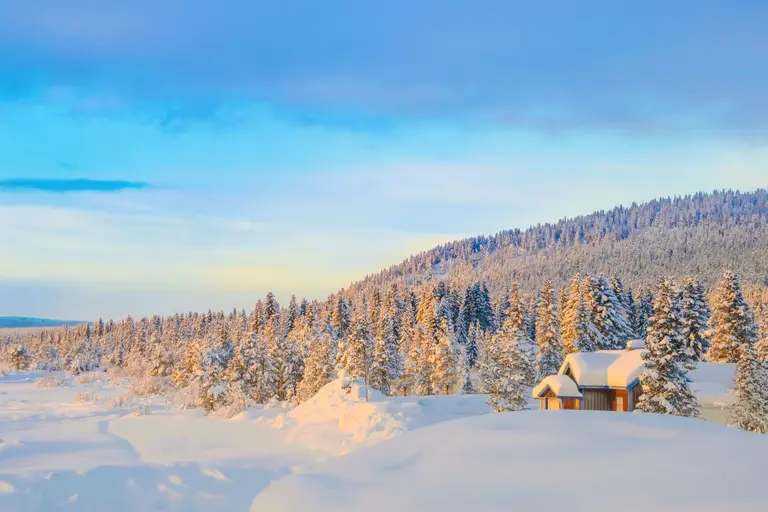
[245, 369]
[291, 315]
[761, 314]
[464, 384]
[732, 323]
[319, 367]
[358, 351]
[750, 408]
[607, 314]
[386, 365]
[643, 312]
[284, 358]
[505, 371]
[474, 337]
[211, 377]
[696, 314]
[578, 331]
[515, 314]
[549, 340]
[420, 367]
[444, 360]
[530, 320]
[665, 389]
[485, 314]
[501, 310]
[188, 367]
[161, 360]
[407, 347]
[19, 358]
[626, 303]
[341, 318]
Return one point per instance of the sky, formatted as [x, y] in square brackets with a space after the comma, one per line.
[159, 156]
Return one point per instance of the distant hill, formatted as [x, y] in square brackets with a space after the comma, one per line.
[17, 322]
[700, 234]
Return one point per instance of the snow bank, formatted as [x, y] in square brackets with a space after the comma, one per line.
[341, 418]
[540, 460]
[561, 386]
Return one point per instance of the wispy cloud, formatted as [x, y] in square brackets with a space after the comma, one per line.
[69, 185]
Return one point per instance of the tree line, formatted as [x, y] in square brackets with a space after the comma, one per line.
[435, 338]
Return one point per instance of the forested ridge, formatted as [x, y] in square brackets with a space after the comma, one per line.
[699, 234]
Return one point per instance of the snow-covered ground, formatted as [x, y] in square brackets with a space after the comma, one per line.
[81, 448]
[58, 453]
[541, 460]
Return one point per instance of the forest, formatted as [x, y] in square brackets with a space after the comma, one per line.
[474, 326]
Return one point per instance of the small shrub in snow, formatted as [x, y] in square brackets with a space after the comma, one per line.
[184, 398]
[53, 381]
[143, 410]
[120, 402]
[236, 402]
[149, 386]
[86, 398]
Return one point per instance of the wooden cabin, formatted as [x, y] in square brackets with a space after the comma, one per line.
[606, 380]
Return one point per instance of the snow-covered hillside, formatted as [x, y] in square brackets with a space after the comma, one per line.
[91, 446]
[541, 460]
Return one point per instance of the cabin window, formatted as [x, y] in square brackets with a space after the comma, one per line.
[620, 403]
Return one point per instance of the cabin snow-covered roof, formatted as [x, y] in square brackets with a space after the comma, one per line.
[604, 368]
[561, 385]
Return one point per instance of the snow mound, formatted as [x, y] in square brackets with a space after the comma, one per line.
[540, 460]
[341, 417]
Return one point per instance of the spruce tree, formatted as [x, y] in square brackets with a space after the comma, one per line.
[358, 351]
[626, 303]
[732, 323]
[464, 382]
[665, 389]
[643, 312]
[750, 408]
[696, 314]
[578, 330]
[514, 317]
[474, 335]
[386, 365]
[444, 360]
[505, 371]
[607, 314]
[319, 367]
[761, 314]
[549, 340]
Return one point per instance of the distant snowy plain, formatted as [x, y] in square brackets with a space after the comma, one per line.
[81, 448]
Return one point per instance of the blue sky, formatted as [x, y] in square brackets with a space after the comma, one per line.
[162, 156]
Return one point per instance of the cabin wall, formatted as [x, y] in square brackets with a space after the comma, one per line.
[637, 392]
[571, 404]
[596, 399]
[554, 404]
[619, 400]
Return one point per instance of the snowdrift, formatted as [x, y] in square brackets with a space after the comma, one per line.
[347, 415]
[541, 460]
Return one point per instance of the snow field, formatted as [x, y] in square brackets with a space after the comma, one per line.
[84, 446]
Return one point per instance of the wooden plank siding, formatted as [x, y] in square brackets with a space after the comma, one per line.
[571, 404]
[596, 399]
[637, 391]
[619, 400]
